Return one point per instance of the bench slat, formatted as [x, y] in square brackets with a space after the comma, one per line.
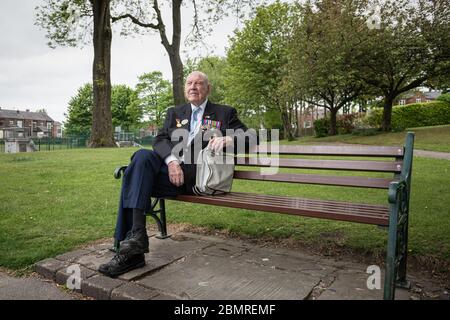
[364, 182]
[350, 165]
[343, 211]
[369, 151]
[300, 202]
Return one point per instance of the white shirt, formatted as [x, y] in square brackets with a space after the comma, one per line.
[171, 157]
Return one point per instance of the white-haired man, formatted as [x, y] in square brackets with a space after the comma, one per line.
[163, 172]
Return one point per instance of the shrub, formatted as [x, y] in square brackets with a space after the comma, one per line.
[345, 123]
[322, 127]
[414, 115]
[444, 97]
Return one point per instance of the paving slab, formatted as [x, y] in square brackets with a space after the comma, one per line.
[196, 267]
[63, 275]
[48, 267]
[212, 277]
[100, 287]
[29, 288]
[132, 291]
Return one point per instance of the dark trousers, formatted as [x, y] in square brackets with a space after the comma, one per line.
[146, 176]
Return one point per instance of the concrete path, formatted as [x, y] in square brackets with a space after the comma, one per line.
[432, 154]
[30, 288]
[196, 267]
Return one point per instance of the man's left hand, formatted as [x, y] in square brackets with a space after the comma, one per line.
[218, 143]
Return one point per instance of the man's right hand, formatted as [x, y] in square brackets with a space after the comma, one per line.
[176, 175]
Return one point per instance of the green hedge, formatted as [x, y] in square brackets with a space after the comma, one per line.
[444, 97]
[344, 125]
[414, 115]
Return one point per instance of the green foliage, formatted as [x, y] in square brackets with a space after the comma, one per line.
[322, 127]
[67, 23]
[345, 123]
[125, 106]
[320, 52]
[415, 115]
[409, 47]
[155, 94]
[256, 59]
[444, 97]
[214, 67]
[79, 116]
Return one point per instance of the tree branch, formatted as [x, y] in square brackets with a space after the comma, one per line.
[136, 21]
[162, 28]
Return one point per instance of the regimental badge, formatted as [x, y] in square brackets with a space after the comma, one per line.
[184, 122]
[178, 123]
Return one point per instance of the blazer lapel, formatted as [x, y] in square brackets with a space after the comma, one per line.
[209, 112]
[186, 109]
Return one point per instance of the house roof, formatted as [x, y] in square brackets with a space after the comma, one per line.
[24, 115]
[432, 95]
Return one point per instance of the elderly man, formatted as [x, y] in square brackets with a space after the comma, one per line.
[164, 172]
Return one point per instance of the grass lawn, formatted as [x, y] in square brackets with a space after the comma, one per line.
[51, 202]
[435, 138]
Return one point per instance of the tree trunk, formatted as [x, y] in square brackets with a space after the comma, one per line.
[298, 114]
[102, 132]
[177, 78]
[333, 121]
[286, 125]
[174, 55]
[387, 113]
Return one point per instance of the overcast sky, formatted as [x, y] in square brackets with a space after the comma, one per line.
[34, 76]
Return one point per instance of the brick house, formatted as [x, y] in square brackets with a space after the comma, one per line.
[27, 124]
[417, 97]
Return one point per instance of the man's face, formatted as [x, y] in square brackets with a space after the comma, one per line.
[196, 90]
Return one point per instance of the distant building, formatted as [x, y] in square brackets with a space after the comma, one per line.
[27, 124]
[57, 130]
[151, 130]
[417, 97]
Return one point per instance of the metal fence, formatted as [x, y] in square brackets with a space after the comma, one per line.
[72, 142]
[47, 144]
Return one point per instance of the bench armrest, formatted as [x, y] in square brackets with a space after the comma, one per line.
[394, 188]
[118, 172]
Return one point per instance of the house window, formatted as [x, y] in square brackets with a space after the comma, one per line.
[49, 125]
[307, 124]
[11, 122]
[402, 102]
[34, 124]
[418, 100]
[19, 123]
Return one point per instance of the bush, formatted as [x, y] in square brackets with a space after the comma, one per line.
[414, 115]
[322, 127]
[345, 123]
[444, 97]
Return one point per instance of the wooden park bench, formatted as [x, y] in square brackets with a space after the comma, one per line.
[393, 215]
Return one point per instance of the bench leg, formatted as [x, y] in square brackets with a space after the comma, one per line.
[397, 246]
[390, 275]
[401, 281]
[161, 220]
